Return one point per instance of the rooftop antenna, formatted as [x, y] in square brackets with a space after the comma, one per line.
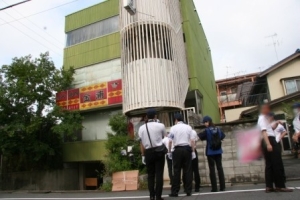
[275, 43]
[260, 68]
[227, 72]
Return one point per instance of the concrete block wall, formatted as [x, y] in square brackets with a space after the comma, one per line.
[235, 172]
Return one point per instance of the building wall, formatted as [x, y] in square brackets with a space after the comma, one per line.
[276, 87]
[98, 49]
[91, 15]
[58, 180]
[84, 151]
[97, 73]
[93, 51]
[201, 73]
[234, 114]
[234, 171]
[96, 124]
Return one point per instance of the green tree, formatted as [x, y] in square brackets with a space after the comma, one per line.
[31, 125]
[119, 141]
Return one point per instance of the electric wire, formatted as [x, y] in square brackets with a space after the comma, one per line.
[36, 25]
[38, 13]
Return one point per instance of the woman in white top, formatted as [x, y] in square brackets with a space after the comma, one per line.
[274, 170]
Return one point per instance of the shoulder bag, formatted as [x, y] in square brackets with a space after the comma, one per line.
[159, 149]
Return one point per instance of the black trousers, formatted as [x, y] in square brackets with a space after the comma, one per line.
[170, 168]
[274, 170]
[212, 160]
[155, 163]
[195, 168]
[182, 159]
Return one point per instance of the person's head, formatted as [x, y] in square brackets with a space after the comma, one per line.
[178, 118]
[296, 108]
[207, 121]
[271, 116]
[151, 113]
[265, 109]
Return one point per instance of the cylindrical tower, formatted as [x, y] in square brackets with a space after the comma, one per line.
[154, 67]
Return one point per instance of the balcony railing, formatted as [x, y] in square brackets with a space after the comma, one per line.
[227, 98]
[253, 100]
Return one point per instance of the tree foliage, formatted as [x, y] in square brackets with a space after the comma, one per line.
[31, 126]
[119, 141]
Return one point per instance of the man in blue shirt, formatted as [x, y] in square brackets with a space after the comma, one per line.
[213, 137]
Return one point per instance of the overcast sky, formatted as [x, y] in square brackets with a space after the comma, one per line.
[237, 31]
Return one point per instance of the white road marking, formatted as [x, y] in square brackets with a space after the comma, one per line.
[141, 197]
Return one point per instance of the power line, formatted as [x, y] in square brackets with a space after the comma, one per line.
[50, 42]
[35, 25]
[34, 39]
[10, 6]
[38, 13]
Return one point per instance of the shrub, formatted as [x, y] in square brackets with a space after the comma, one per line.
[117, 142]
[106, 187]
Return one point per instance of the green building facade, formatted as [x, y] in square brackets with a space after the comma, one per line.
[95, 54]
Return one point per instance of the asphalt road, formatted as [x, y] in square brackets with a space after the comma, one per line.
[244, 192]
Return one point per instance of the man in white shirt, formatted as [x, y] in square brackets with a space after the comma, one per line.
[278, 128]
[184, 145]
[274, 171]
[151, 136]
[296, 122]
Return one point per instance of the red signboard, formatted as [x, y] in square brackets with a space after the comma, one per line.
[92, 96]
[115, 92]
[62, 99]
[73, 99]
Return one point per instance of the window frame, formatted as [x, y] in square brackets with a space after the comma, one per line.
[295, 79]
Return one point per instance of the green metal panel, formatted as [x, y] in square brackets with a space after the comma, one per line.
[93, 51]
[199, 60]
[84, 151]
[92, 14]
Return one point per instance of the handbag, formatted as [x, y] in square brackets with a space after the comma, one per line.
[159, 149]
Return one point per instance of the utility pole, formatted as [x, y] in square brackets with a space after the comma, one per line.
[275, 42]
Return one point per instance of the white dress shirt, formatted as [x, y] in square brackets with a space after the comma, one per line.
[296, 123]
[264, 125]
[166, 142]
[279, 130]
[156, 132]
[181, 134]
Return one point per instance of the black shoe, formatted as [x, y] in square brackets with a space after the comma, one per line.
[197, 190]
[188, 194]
[222, 190]
[159, 198]
[214, 190]
[173, 195]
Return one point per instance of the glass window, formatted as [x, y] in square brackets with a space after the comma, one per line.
[92, 31]
[292, 86]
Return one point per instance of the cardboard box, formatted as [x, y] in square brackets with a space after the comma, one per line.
[126, 180]
[118, 181]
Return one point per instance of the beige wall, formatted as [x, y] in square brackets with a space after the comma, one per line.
[276, 88]
[234, 114]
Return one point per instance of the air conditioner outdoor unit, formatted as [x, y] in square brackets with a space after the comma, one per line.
[129, 5]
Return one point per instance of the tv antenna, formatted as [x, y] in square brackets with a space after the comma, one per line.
[227, 71]
[275, 43]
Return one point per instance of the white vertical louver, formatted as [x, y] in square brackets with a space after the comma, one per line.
[154, 67]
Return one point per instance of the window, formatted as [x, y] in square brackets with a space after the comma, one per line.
[292, 86]
[92, 31]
